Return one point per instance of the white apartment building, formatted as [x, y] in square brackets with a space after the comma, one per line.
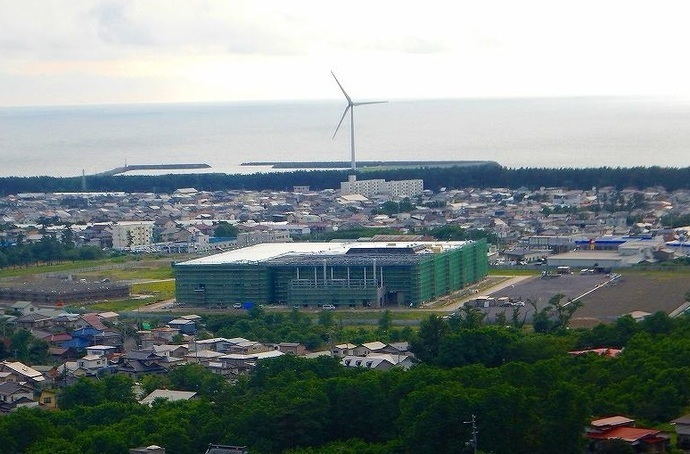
[370, 188]
[131, 234]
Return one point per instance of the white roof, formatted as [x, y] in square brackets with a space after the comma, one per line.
[101, 347]
[167, 394]
[318, 354]
[371, 361]
[91, 357]
[345, 346]
[216, 340]
[109, 314]
[376, 345]
[262, 355]
[265, 251]
[24, 370]
[166, 348]
[204, 354]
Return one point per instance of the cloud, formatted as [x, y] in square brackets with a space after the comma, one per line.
[245, 49]
[114, 25]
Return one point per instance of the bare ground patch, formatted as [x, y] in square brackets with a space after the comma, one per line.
[636, 291]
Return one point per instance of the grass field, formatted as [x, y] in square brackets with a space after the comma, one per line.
[152, 280]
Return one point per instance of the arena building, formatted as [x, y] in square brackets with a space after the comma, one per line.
[342, 274]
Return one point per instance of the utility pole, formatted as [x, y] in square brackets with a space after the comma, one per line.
[473, 440]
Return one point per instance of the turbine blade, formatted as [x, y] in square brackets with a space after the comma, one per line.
[349, 101]
[341, 121]
[368, 102]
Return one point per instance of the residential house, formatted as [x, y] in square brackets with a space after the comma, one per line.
[683, 432]
[609, 352]
[61, 354]
[66, 321]
[217, 344]
[294, 348]
[165, 333]
[91, 320]
[171, 351]
[247, 347]
[235, 364]
[24, 307]
[137, 363]
[368, 348]
[109, 317]
[376, 362]
[226, 449]
[13, 395]
[14, 371]
[152, 449]
[101, 350]
[342, 350]
[202, 356]
[81, 338]
[90, 365]
[623, 428]
[183, 325]
[48, 399]
[33, 320]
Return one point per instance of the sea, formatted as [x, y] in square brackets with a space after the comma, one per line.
[521, 132]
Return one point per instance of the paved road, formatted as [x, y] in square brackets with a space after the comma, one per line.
[508, 283]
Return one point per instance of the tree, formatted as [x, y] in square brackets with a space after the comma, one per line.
[27, 348]
[555, 316]
[67, 236]
[326, 319]
[427, 343]
[225, 230]
[487, 346]
[194, 377]
[385, 322]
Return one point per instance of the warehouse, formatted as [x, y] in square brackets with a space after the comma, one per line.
[344, 274]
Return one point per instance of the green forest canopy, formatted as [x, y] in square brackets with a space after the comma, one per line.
[528, 394]
[490, 175]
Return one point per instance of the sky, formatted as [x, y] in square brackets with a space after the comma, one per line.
[72, 52]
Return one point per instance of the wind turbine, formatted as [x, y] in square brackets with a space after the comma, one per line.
[351, 107]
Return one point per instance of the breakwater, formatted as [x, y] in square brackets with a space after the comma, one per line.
[363, 164]
[133, 167]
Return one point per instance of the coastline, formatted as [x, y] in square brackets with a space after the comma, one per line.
[363, 164]
[134, 167]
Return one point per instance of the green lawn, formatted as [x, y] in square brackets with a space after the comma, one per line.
[122, 305]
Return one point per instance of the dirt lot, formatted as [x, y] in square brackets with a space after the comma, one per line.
[633, 291]
[636, 291]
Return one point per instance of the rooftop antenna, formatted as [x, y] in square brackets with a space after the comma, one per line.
[351, 107]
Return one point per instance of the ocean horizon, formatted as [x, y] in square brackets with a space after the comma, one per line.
[522, 132]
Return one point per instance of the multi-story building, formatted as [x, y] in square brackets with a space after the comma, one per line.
[132, 234]
[335, 274]
[371, 188]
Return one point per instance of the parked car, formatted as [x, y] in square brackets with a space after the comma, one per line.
[328, 307]
[237, 306]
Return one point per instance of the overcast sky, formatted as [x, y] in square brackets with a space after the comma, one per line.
[92, 51]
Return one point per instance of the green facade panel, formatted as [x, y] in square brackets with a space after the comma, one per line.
[407, 283]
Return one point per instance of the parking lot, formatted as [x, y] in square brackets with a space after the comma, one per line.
[604, 300]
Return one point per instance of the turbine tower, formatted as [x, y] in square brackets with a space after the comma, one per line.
[351, 107]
